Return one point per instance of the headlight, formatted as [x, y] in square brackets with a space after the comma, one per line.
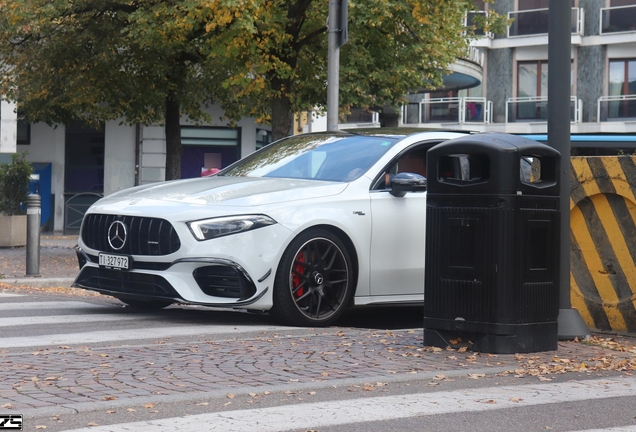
[207, 229]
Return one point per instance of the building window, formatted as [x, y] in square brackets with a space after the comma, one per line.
[532, 85]
[24, 132]
[208, 149]
[263, 137]
[622, 85]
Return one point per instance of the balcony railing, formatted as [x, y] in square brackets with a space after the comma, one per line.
[618, 19]
[534, 22]
[617, 108]
[535, 109]
[448, 110]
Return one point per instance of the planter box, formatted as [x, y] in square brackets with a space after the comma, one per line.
[13, 230]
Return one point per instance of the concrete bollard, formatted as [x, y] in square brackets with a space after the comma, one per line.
[34, 213]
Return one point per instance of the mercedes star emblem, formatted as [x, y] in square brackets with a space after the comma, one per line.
[117, 235]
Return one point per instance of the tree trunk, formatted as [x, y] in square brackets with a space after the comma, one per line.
[173, 138]
[281, 111]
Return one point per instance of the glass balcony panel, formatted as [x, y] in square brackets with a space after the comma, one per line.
[535, 22]
[412, 113]
[534, 109]
[527, 23]
[359, 115]
[474, 111]
[618, 19]
[442, 110]
[470, 21]
[617, 108]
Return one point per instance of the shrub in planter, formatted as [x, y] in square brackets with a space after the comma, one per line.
[14, 185]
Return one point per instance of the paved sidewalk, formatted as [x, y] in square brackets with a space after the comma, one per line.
[70, 379]
[58, 263]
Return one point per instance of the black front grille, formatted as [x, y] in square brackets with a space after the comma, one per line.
[145, 236]
[121, 282]
[223, 281]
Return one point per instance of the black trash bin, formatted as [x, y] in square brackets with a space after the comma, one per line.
[492, 244]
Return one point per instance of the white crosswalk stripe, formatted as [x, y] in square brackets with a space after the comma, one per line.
[48, 316]
[10, 295]
[325, 414]
[66, 319]
[47, 305]
[130, 334]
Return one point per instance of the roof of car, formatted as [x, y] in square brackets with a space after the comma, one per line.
[399, 131]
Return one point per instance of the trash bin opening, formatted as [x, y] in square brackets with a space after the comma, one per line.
[530, 169]
[464, 168]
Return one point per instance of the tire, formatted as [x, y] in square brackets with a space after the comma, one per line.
[314, 280]
[145, 304]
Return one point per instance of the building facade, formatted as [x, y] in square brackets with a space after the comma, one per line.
[75, 165]
[512, 96]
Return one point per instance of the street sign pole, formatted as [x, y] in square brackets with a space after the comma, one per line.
[571, 325]
[337, 35]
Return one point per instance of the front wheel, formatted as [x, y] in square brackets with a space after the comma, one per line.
[314, 280]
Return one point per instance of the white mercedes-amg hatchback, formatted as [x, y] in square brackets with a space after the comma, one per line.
[303, 228]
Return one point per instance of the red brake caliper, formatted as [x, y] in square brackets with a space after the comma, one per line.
[298, 269]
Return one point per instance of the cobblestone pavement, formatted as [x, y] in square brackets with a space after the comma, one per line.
[57, 259]
[64, 376]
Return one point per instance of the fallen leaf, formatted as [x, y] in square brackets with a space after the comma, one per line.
[131, 410]
[109, 398]
[252, 394]
[476, 376]
[51, 378]
[149, 405]
[7, 405]
[226, 404]
[230, 395]
[93, 424]
[203, 404]
[266, 393]
[40, 427]
[111, 412]
[514, 399]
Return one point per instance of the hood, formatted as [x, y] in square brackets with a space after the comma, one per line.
[221, 190]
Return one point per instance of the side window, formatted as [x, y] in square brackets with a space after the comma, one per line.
[413, 161]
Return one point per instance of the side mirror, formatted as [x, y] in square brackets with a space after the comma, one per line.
[407, 182]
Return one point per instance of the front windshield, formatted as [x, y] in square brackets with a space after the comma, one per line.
[329, 157]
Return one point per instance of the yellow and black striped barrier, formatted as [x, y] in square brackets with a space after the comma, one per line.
[603, 241]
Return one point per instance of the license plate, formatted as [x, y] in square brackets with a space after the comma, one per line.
[117, 262]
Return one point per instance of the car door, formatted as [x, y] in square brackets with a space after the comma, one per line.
[398, 230]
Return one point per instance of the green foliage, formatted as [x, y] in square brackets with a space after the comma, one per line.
[151, 61]
[14, 184]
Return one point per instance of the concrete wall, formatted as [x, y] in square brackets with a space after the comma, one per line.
[8, 127]
[119, 157]
[590, 83]
[499, 81]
